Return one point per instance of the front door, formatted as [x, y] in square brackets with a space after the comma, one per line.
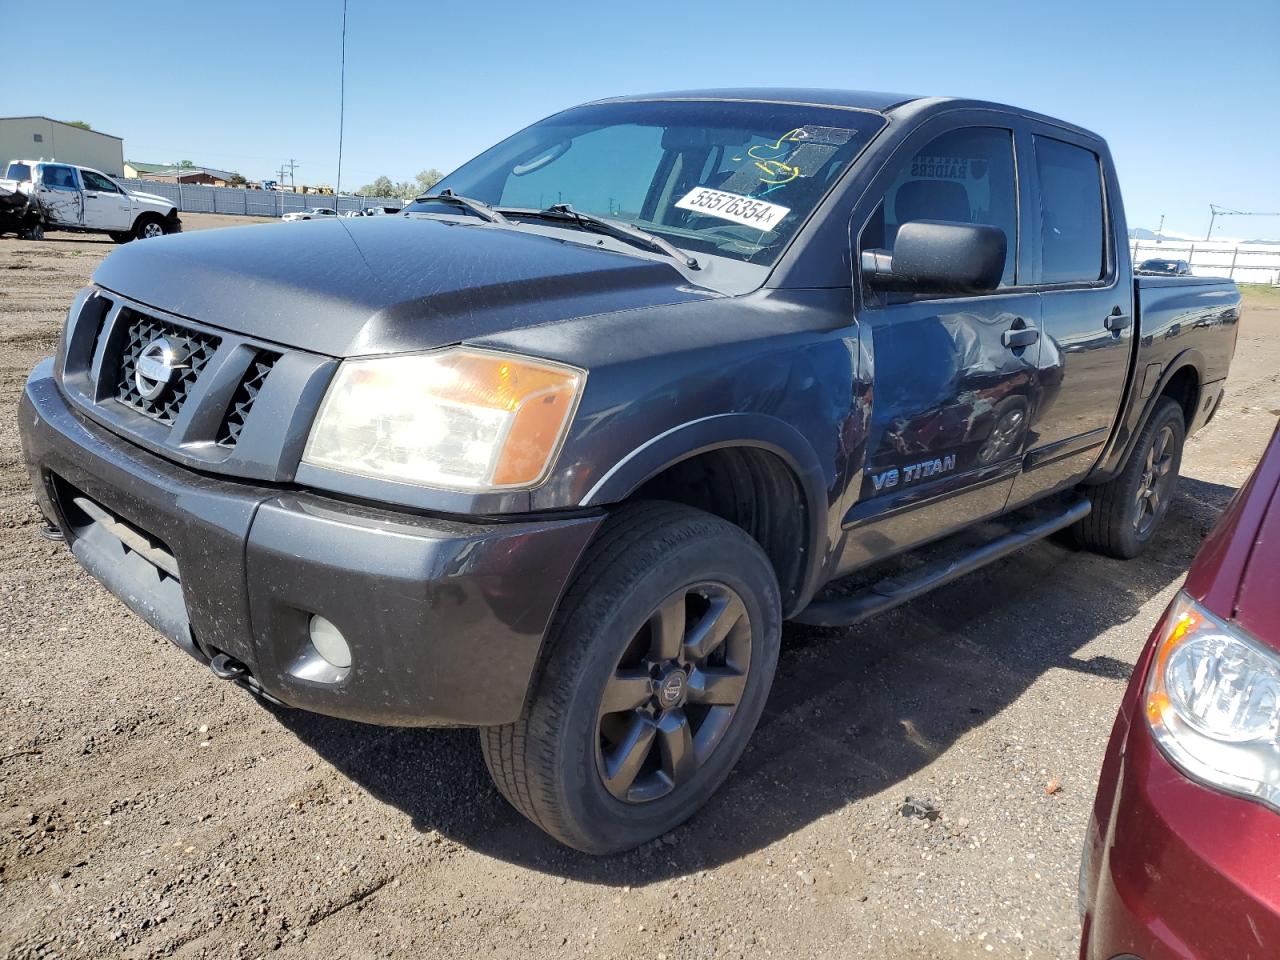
[954, 377]
[105, 206]
[58, 193]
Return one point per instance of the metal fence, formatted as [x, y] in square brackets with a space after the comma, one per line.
[190, 198]
[1243, 263]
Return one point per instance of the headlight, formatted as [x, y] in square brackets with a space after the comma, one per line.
[1213, 703]
[459, 419]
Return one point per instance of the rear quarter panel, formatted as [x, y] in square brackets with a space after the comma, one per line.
[1180, 314]
[1182, 322]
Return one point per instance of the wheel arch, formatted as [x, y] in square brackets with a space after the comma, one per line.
[1182, 380]
[751, 469]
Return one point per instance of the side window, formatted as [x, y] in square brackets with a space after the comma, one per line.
[55, 176]
[1072, 246]
[962, 176]
[96, 181]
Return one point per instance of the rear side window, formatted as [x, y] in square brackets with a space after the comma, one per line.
[1072, 236]
[963, 176]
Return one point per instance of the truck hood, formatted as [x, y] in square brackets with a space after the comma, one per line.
[151, 198]
[375, 285]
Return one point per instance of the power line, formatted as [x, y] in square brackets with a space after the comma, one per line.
[1216, 211]
[342, 98]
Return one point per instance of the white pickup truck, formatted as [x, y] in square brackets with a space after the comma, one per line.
[64, 196]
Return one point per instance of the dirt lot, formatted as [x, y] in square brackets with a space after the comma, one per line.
[147, 809]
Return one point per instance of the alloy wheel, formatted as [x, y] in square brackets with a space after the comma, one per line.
[1152, 497]
[673, 693]
[152, 229]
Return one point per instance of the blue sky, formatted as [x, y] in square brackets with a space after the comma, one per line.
[1188, 94]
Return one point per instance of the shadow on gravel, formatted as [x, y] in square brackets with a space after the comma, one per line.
[852, 712]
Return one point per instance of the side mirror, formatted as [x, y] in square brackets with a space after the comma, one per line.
[939, 257]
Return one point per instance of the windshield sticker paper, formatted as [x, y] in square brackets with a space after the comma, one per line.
[733, 206]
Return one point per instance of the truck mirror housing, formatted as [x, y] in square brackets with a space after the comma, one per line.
[939, 257]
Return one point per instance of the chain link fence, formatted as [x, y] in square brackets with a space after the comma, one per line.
[1243, 262]
[191, 198]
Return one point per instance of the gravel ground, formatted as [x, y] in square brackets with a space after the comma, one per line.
[147, 809]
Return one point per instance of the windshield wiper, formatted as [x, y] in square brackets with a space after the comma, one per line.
[614, 228]
[478, 207]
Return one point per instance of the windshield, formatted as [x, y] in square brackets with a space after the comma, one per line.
[1159, 266]
[728, 178]
[18, 171]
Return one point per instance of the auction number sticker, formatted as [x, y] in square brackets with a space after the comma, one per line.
[733, 206]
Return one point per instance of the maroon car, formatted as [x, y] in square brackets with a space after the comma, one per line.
[1182, 857]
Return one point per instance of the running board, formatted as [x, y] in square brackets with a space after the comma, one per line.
[891, 592]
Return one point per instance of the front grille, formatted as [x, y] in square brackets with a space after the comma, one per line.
[242, 399]
[193, 350]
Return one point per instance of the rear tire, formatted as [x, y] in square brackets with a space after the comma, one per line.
[659, 576]
[1128, 508]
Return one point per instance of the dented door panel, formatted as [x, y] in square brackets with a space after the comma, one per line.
[950, 410]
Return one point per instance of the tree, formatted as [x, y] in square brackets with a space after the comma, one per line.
[79, 123]
[382, 187]
[184, 164]
[237, 179]
[428, 178]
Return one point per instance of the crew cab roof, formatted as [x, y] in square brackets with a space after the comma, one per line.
[856, 99]
[879, 101]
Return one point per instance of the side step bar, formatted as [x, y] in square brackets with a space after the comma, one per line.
[887, 594]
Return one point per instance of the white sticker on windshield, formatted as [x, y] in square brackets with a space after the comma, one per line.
[733, 206]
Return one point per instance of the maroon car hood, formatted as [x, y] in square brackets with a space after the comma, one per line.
[1258, 602]
[1237, 572]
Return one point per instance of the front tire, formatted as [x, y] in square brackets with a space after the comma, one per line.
[1128, 508]
[148, 228]
[661, 656]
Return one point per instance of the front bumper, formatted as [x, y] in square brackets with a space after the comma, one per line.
[445, 619]
[1178, 870]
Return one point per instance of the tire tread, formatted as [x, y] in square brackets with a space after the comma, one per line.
[1103, 530]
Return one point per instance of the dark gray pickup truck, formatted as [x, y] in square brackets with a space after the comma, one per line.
[556, 452]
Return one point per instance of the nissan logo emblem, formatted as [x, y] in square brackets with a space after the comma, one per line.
[155, 368]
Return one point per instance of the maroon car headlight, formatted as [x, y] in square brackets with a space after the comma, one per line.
[1213, 703]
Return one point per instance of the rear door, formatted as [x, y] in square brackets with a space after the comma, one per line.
[106, 207]
[58, 193]
[1087, 307]
[951, 399]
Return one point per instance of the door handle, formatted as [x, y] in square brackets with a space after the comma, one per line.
[1022, 337]
[1117, 322]
[88, 193]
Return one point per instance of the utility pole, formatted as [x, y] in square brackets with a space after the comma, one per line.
[1216, 211]
[291, 165]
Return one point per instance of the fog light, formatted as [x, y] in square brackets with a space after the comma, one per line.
[329, 642]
